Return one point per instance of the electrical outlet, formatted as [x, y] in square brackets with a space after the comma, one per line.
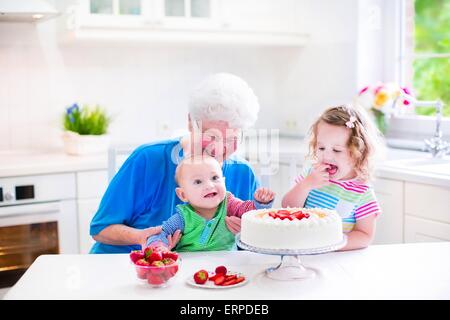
[164, 129]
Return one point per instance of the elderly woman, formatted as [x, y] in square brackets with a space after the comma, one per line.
[142, 193]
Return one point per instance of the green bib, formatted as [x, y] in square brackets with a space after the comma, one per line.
[202, 235]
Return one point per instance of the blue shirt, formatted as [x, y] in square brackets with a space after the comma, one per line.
[142, 193]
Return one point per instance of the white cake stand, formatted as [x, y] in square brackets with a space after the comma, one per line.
[290, 266]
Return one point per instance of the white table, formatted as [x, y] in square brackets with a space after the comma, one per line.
[405, 271]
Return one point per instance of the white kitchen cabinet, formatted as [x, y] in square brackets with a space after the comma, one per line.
[425, 230]
[86, 210]
[251, 22]
[427, 201]
[427, 213]
[91, 186]
[389, 225]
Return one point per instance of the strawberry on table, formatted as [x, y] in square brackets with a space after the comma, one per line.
[221, 270]
[233, 281]
[201, 276]
[219, 280]
[230, 277]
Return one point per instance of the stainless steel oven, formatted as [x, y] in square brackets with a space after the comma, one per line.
[37, 216]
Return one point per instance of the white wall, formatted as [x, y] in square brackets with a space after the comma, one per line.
[146, 86]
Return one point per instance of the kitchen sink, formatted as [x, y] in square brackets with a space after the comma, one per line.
[427, 165]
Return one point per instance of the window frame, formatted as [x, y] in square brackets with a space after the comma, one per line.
[412, 126]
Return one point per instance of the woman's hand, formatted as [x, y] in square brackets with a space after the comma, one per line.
[319, 176]
[233, 224]
[264, 195]
[143, 235]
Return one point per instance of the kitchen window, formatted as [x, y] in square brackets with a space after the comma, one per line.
[427, 51]
[423, 64]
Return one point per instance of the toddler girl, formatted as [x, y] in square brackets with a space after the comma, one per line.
[342, 145]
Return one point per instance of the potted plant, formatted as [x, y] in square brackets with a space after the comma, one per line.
[85, 130]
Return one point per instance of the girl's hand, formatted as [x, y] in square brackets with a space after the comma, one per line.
[233, 224]
[145, 233]
[319, 177]
[264, 195]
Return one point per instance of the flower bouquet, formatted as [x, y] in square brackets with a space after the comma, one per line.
[383, 100]
[85, 130]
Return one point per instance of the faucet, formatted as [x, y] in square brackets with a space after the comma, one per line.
[435, 145]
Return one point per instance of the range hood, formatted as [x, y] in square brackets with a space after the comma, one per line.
[26, 10]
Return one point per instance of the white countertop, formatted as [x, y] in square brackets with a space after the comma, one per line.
[403, 271]
[35, 162]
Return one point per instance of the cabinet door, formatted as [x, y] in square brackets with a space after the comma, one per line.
[86, 210]
[427, 201]
[389, 227]
[423, 230]
[258, 15]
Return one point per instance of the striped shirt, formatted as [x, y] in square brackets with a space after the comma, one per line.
[351, 199]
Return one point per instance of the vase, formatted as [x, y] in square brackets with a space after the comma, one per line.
[381, 120]
[76, 144]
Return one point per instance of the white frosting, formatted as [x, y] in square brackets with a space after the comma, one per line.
[322, 228]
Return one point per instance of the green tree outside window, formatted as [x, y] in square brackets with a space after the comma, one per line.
[432, 49]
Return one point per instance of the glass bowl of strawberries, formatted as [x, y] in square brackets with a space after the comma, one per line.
[154, 266]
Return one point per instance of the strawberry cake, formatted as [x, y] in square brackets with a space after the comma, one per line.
[291, 228]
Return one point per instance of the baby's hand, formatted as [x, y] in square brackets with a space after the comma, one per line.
[319, 176]
[159, 247]
[264, 195]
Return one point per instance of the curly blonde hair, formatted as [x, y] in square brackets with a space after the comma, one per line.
[364, 141]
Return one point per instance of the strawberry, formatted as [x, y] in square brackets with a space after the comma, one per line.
[136, 255]
[229, 282]
[240, 279]
[158, 267]
[213, 277]
[142, 272]
[155, 279]
[233, 281]
[230, 277]
[170, 254]
[147, 252]
[219, 280]
[273, 215]
[285, 216]
[201, 276]
[154, 256]
[168, 261]
[300, 215]
[171, 270]
[221, 270]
